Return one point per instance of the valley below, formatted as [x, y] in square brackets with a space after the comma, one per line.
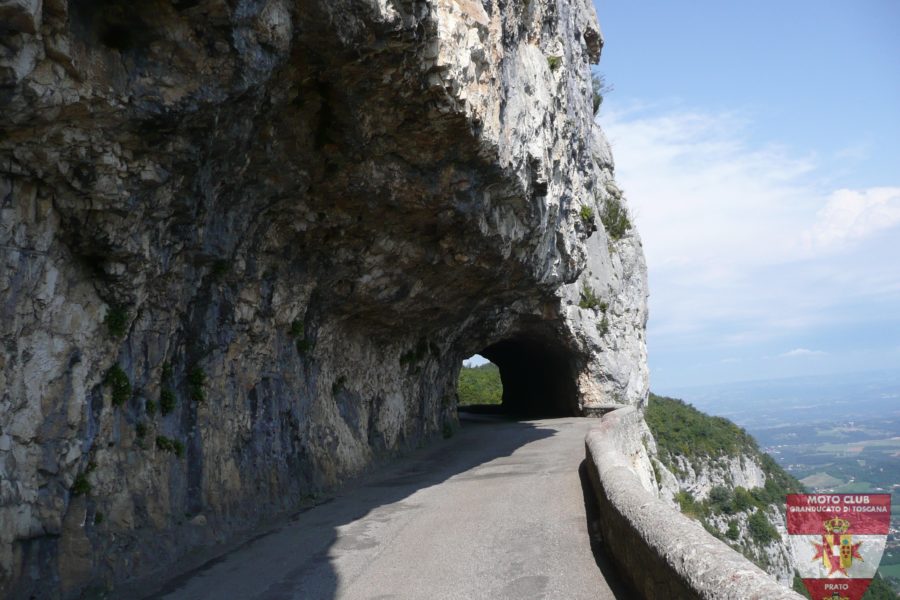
[839, 433]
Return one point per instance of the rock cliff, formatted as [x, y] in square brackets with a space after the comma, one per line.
[714, 483]
[245, 246]
[714, 472]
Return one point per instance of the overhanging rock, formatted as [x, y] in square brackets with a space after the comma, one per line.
[246, 246]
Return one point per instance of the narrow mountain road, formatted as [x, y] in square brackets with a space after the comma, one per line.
[497, 511]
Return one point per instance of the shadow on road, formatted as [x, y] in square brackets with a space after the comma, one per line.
[598, 545]
[308, 538]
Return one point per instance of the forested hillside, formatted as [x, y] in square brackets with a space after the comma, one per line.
[724, 481]
[480, 385]
[683, 431]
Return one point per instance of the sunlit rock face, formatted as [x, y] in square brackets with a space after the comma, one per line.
[698, 476]
[245, 246]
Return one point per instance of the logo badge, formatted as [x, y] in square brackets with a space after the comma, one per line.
[837, 541]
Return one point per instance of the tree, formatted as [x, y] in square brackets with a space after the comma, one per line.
[480, 385]
[742, 499]
[732, 533]
[760, 529]
[720, 500]
[600, 87]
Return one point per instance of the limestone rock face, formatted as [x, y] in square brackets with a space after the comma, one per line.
[699, 476]
[775, 556]
[245, 246]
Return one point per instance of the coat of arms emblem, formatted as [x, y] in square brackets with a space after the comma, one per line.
[837, 541]
[837, 549]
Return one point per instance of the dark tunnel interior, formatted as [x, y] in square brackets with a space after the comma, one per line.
[538, 378]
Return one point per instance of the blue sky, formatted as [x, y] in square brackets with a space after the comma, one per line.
[758, 144]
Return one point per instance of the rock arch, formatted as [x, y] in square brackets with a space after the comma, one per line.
[301, 215]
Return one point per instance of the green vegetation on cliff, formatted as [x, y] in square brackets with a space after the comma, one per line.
[480, 385]
[682, 430]
[615, 218]
[687, 440]
[880, 590]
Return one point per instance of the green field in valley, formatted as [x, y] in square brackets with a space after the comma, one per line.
[889, 571]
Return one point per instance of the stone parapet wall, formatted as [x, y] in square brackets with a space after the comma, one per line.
[662, 553]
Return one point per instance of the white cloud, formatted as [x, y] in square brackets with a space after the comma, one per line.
[852, 215]
[853, 153]
[701, 191]
[801, 352]
[476, 360]
[744, 244]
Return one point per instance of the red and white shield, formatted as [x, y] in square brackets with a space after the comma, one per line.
[838, 540]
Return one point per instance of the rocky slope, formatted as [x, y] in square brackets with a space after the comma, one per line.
[719, 492]
[245, 246]
[713, 471]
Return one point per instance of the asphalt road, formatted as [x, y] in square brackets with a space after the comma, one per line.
[497, 511]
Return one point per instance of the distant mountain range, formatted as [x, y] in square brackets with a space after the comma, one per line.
[825, 398]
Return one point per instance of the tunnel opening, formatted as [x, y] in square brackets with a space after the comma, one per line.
[536, 378]
[479, 387]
